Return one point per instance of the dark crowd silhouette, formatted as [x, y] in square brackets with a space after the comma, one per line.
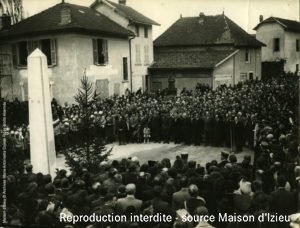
[261, 115]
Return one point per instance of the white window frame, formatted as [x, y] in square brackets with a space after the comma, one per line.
[247, 56]
[104, 51]
[138, 60]
[248, 75]
[146, 52]
[31, 46]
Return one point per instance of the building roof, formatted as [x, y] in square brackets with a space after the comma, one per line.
[204, 31]
[83, 20]
[200, 59]
[128, 12]
[288, 25]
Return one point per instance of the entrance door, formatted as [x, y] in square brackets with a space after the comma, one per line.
[251, 76]
[102, 88]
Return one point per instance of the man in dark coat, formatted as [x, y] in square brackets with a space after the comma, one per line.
[165, 127]
[238, 134]
[282, 201]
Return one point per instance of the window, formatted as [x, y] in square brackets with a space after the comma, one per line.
[125, 68]
[137, 31]
[276, 44]
[24, 48]
[48, 47]
[297, 45]
[145, 31]
[22, 53]
[251, 75]
[247, 56]
[100, 51]
[243, 77]
[146, 49]
[297, 67]
[137, 54]
[171, 83]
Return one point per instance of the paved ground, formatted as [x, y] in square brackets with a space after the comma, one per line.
[158, 151]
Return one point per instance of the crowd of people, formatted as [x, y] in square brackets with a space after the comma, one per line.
[260, 115]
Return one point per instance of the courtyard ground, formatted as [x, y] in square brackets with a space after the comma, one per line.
[158, 151]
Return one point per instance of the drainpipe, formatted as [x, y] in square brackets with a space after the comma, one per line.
[130, 62]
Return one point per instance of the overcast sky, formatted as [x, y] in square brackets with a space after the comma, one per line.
[244, 12]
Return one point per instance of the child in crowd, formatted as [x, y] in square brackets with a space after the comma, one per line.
[147, 134]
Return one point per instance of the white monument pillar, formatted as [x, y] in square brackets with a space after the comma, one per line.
[42, 149]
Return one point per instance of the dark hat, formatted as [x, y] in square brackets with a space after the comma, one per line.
[184, 156]
[151, 163]
[225, 154]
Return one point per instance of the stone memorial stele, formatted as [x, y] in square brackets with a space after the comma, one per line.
[42, 149]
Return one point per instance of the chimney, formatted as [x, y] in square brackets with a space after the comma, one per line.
[261, 18]
[65, 16]
[5, 22]
[201, 18]
[122, 2]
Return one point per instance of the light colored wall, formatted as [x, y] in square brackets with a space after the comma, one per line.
[293, 57]
[139, 71]
[74, 54]
[226, 69]
[186, 79]
[266, 34]
[241, 66]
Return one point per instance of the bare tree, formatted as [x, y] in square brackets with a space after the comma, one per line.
[13, 8]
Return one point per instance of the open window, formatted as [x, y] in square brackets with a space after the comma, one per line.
[100, 51]
[23, 49]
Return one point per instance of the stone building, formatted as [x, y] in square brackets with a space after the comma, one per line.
[209, 50]
[141, 45]
[282, 39]
[76, 39]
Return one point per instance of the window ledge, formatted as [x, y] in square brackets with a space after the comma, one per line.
[138, 64]
[21, 67]
[105, 64]
[26, 67]
[125, 81]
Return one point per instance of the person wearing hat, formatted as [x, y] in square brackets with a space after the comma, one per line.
[238, 136]
[224, 159]
[121, 128]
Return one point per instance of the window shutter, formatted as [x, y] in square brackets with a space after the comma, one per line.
[146, 54]
[138, 54]
[53, 52]
[95, 51]
[105, 50]
[29, 47]
[32, 45]
[14, 55]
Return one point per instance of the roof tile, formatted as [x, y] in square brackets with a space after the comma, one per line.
[289, 25]
[83, 20]
[212, 30]
[206, 59]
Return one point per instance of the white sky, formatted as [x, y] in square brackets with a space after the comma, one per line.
[244, 12]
